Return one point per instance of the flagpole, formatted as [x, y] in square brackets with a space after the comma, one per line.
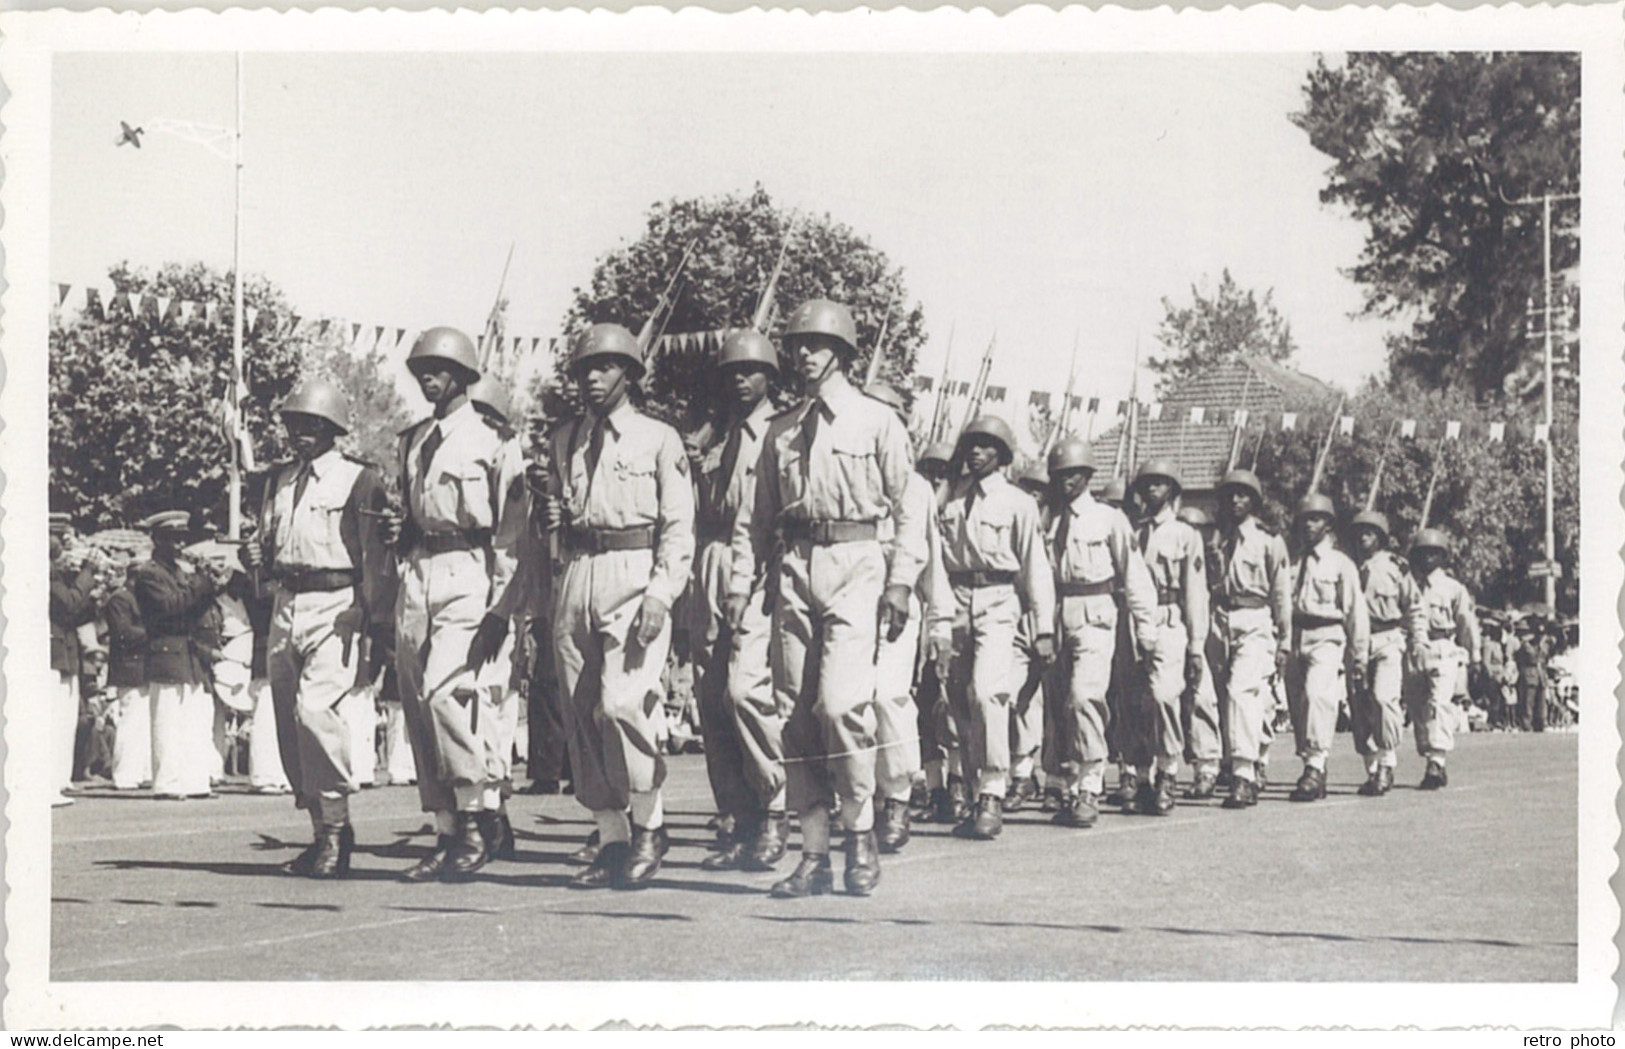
[234, 516]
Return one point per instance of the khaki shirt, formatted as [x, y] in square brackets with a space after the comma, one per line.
[474, 483]
[1000, 531]
[1177, 562]
[1254, 564]
[721, 497]
[1448, 608]
[1328, 587]
[924, 541]
[855, 468]
[642, 478]
[326, 530]
[1391, 596]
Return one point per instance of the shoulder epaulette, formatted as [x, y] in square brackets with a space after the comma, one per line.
[409, 427]
[359, 461]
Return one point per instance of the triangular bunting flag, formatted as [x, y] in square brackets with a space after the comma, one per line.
[324, 326]
[251, 316]
[1452, 430]
[163, 307]
[188, 308]
[378, 335]
[355, 331]
[400, 333]
[1345, 426]
[62, 293]
[1197, 414]
[1407, 428]
[479, 344]
[293, 323]
[1498, 431]
[922, 383]
[516, 341]
[535, 342]
[1289, 420]
[211, 312]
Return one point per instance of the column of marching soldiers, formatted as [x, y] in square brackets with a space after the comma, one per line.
[877, 638]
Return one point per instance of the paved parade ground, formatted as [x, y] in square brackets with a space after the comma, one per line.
[1475, 883]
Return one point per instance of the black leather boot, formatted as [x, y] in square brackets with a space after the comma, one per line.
[471, 851]
[862, 862]
[333, 860]
[430, 867]
[771, 842]
[648, 849]
[812, 877]
[892, 830]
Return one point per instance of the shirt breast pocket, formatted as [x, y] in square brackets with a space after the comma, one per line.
[855, 462]
[637, 476]
[1323, 591]
[1249, 573]
[1092, 557]
[993, 536]
[469, 488]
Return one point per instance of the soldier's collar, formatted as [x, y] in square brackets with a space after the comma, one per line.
[837, 396]
[455, 419]
[324, 462]
[756, 421]
[616, 417]
[1081, 502]
[1165, 514]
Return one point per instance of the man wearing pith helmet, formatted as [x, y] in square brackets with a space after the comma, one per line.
[1452, 639]
[830, 470]
[321, 551]
[993, 549]
[1029, 679]
[1252, 603]
[625, 515]
[457, 544]
[733, 681]
[1330, 641]
[1397, 624]
[1092, 549]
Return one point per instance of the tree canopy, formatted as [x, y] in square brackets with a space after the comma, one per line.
[1231, 322]
[1428, 149]
[739, 237]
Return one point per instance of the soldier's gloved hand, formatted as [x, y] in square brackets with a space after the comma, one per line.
[552, 513]
[487, 640]
[1044, 649]
[252, 555]
[651, 618]
[536, 479]
[942, 653]
[1193, 668]
[894, 610]
[734, 609]
[1282, 655]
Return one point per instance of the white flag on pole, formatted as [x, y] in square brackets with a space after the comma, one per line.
[1407, 428]
[1289, 420]
[1153, 411]
[1452, 430]
[1543, 432]
[1198, 414]
[163, 307]
[1498, 431]
[1345, 425]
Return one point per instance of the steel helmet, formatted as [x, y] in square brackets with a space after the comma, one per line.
[1115, 492]
[1243, 479]
[939, 453]
[886, 394]
[320, 398]
[449, 345]
[1372, 519]
[1316, 503]
[995, 429]
[823, 317]
[748, 346]
[490, 395]
[1431, 539]
[1033, 474]
[607, 340]
[1194, 516]
[1164, 468]
[1071, 453]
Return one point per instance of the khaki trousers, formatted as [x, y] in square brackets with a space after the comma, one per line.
[1155, 731]
[312, 654]
[1315, 688]
[1375, 713]
[1245, 668]
[979, 681]
[897, 729]
[1079, 722]
[1430, 693]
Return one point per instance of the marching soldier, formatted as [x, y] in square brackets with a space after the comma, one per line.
[740, 716]
[1174, 657]
[946, 800]
[1115, 495]
[465, 512]
[1452, 639]
[1397, 625]
[322, 553]
[1095, 560]
[830, 470]
[626, 511]
[935, 462]
[1203, 709]
[993, 549]
[1253, 602]
[930, 614]
[1330, 641]
[1030, 682]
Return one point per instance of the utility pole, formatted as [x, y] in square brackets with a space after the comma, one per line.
[234, 504]
[1545, 200]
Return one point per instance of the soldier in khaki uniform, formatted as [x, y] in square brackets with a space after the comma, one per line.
[1115, 495]
[1177, 561]
[1397, 624]
[740, 716]
[947, 800]
[1330, 641]
[321, 553]
[626, 514]
[466, 510]
[830, 471]
[1202, 709]
[1252, 599]
[930, 615]
[1452, 640]
[993, 549]
[1096, 560]
[1029, 683]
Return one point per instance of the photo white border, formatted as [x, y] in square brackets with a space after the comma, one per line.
[30, 39]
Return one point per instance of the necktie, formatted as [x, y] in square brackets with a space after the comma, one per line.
[1063, 532]
[809, 430]
[426, 450]
[595, 451]
[301, 482]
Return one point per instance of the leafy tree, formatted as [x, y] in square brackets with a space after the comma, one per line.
[1230, 323]
[1427, 149]
[136, 405]
[739, 239]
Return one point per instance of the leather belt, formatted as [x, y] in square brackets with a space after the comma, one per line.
[1230, 604]
[1379, 625]
[1170, 597]
[828, 532]
[603, 540]
[1441, 633]
[1076, 588]
[981, 579]
[451, 542]
[1305, 621]
[308, 580]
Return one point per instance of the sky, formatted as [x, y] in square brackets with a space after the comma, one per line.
[1032, 195]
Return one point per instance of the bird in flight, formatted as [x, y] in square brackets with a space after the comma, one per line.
[132, 135]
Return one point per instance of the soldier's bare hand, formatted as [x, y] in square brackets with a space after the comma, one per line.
[1193, 668]
[942, 653]
[734, 609]
[894, 610]
[389, 528]
[252, 554]
[1357, 678]
[1281, 658]
[552, 513]
[1044, 649]
[651, 619]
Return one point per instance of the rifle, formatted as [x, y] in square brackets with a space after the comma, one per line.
[1325, 449]
[939, 413]
[879, 354]
[489, 335]
[1066, 402]
[764, 305]
[1133, 411]
[1382, 458]
[668, 297]
[1235, 437]
[972, 410]
[1433, 481]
